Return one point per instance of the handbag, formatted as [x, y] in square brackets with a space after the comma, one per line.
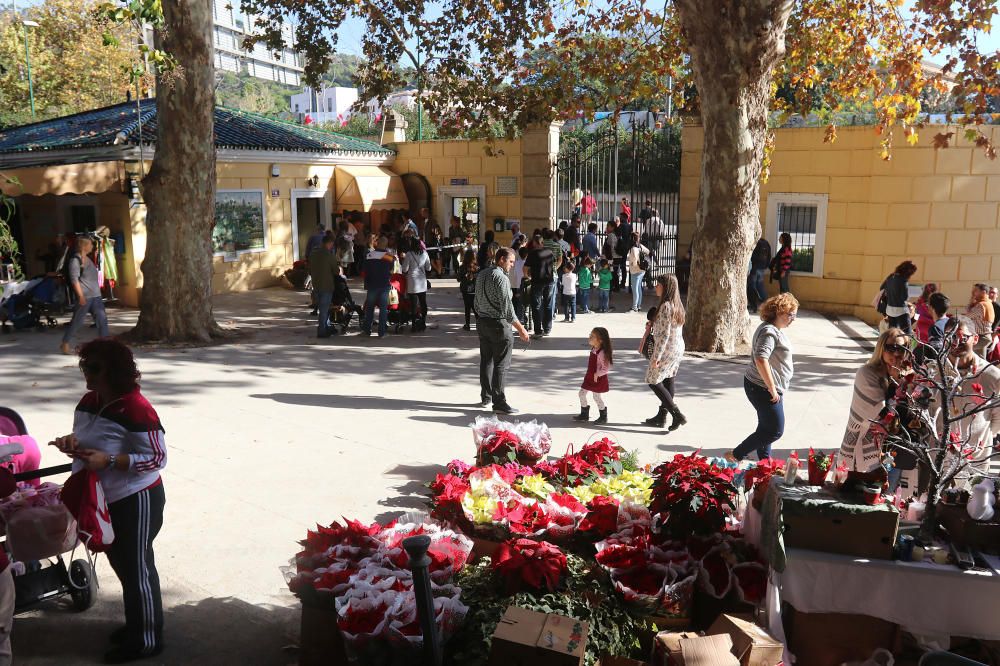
[393, 296]
[646, 346]
[879, 301]
[83, 495]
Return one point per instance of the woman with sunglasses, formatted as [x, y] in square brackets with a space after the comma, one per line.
[117, 434]
[874, 384]
[768, 377]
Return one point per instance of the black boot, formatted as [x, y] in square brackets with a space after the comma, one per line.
[584, 414]
[603, 418]
[659, 420]
[678, 419]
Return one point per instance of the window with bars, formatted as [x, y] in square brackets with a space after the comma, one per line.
[803, 218]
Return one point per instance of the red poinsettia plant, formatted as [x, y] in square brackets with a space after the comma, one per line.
[447, 491]
[691, 496]
[526, 564]
[500, 446]
[357, 536]
[602, 516]
[819, 466]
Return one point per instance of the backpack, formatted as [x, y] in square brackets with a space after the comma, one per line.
[621, 247]
[84, 497]
[643, 260]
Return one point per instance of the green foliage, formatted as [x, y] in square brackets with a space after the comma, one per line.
[802, 259]
[71, 69]
[586, 595]
[630, 460]
[247, 93]
[9, 250]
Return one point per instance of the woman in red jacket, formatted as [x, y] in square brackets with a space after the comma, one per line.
[117, 434]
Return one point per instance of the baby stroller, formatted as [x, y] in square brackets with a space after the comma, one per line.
[29, 515]
[343, 307]
[36, 305]
[399, 305]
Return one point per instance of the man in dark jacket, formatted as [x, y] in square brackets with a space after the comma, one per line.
[323, 268]
[378, 273]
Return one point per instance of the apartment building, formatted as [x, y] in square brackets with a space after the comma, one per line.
[231, 27]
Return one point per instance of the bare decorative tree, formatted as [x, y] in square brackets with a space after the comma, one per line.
[941, 399]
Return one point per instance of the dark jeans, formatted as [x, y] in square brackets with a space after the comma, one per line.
[902, 322]
[469, 300]
[665, 392]
[770, 422]
[518, 304]
[603, 298]
[757, 285]
[496, 342]
[418, 306]
[541, 307]
[783, 284]
[584, 296]
[569, 306]
[136, 520]
[379, 297]
[96, 307]
[323, 300]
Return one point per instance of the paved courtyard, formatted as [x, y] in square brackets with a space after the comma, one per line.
[272, 434]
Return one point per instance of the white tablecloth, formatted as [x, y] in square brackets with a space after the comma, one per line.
[930, 601]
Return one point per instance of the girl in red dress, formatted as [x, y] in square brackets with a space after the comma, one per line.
[596, 379]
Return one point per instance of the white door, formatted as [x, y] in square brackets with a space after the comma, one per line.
[313, 210]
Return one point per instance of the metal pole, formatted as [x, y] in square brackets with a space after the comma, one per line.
[27, 58]
[416, 547]
[420, 99]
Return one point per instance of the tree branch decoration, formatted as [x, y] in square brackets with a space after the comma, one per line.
[939, 396]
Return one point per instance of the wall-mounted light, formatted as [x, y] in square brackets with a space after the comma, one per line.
[275, 170]
[313, 182]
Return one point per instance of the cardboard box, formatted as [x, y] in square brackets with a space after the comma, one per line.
[667, 647]
[528, 638]
[835, 527]
[818, 639]
[751, 644]
[708, 651]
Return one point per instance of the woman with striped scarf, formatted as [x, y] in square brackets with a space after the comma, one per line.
[874, 384]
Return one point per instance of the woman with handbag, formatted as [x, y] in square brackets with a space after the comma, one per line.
[895, 290]
[663, 345]
[117, 434]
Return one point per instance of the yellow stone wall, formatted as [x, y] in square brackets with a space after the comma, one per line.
[43, 217]
[254, 270]
[440, 161]
[937, 208]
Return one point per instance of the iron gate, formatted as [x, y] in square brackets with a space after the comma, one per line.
[637, 161]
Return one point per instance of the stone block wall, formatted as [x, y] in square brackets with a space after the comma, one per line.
[938, 208]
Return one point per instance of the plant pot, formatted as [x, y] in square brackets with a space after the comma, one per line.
[817, 477]
[872, 495]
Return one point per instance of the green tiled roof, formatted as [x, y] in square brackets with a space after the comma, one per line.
[233, 129]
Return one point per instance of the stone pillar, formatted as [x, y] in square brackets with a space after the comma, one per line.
[395, 128]
[539, 150]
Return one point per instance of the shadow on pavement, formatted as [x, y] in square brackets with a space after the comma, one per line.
[198, 633]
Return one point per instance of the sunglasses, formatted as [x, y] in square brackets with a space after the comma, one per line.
[896, 349]
[90, 367]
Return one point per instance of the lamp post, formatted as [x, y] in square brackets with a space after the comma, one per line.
[27, 59]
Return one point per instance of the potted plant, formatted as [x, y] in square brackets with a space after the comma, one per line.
[819, 466]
